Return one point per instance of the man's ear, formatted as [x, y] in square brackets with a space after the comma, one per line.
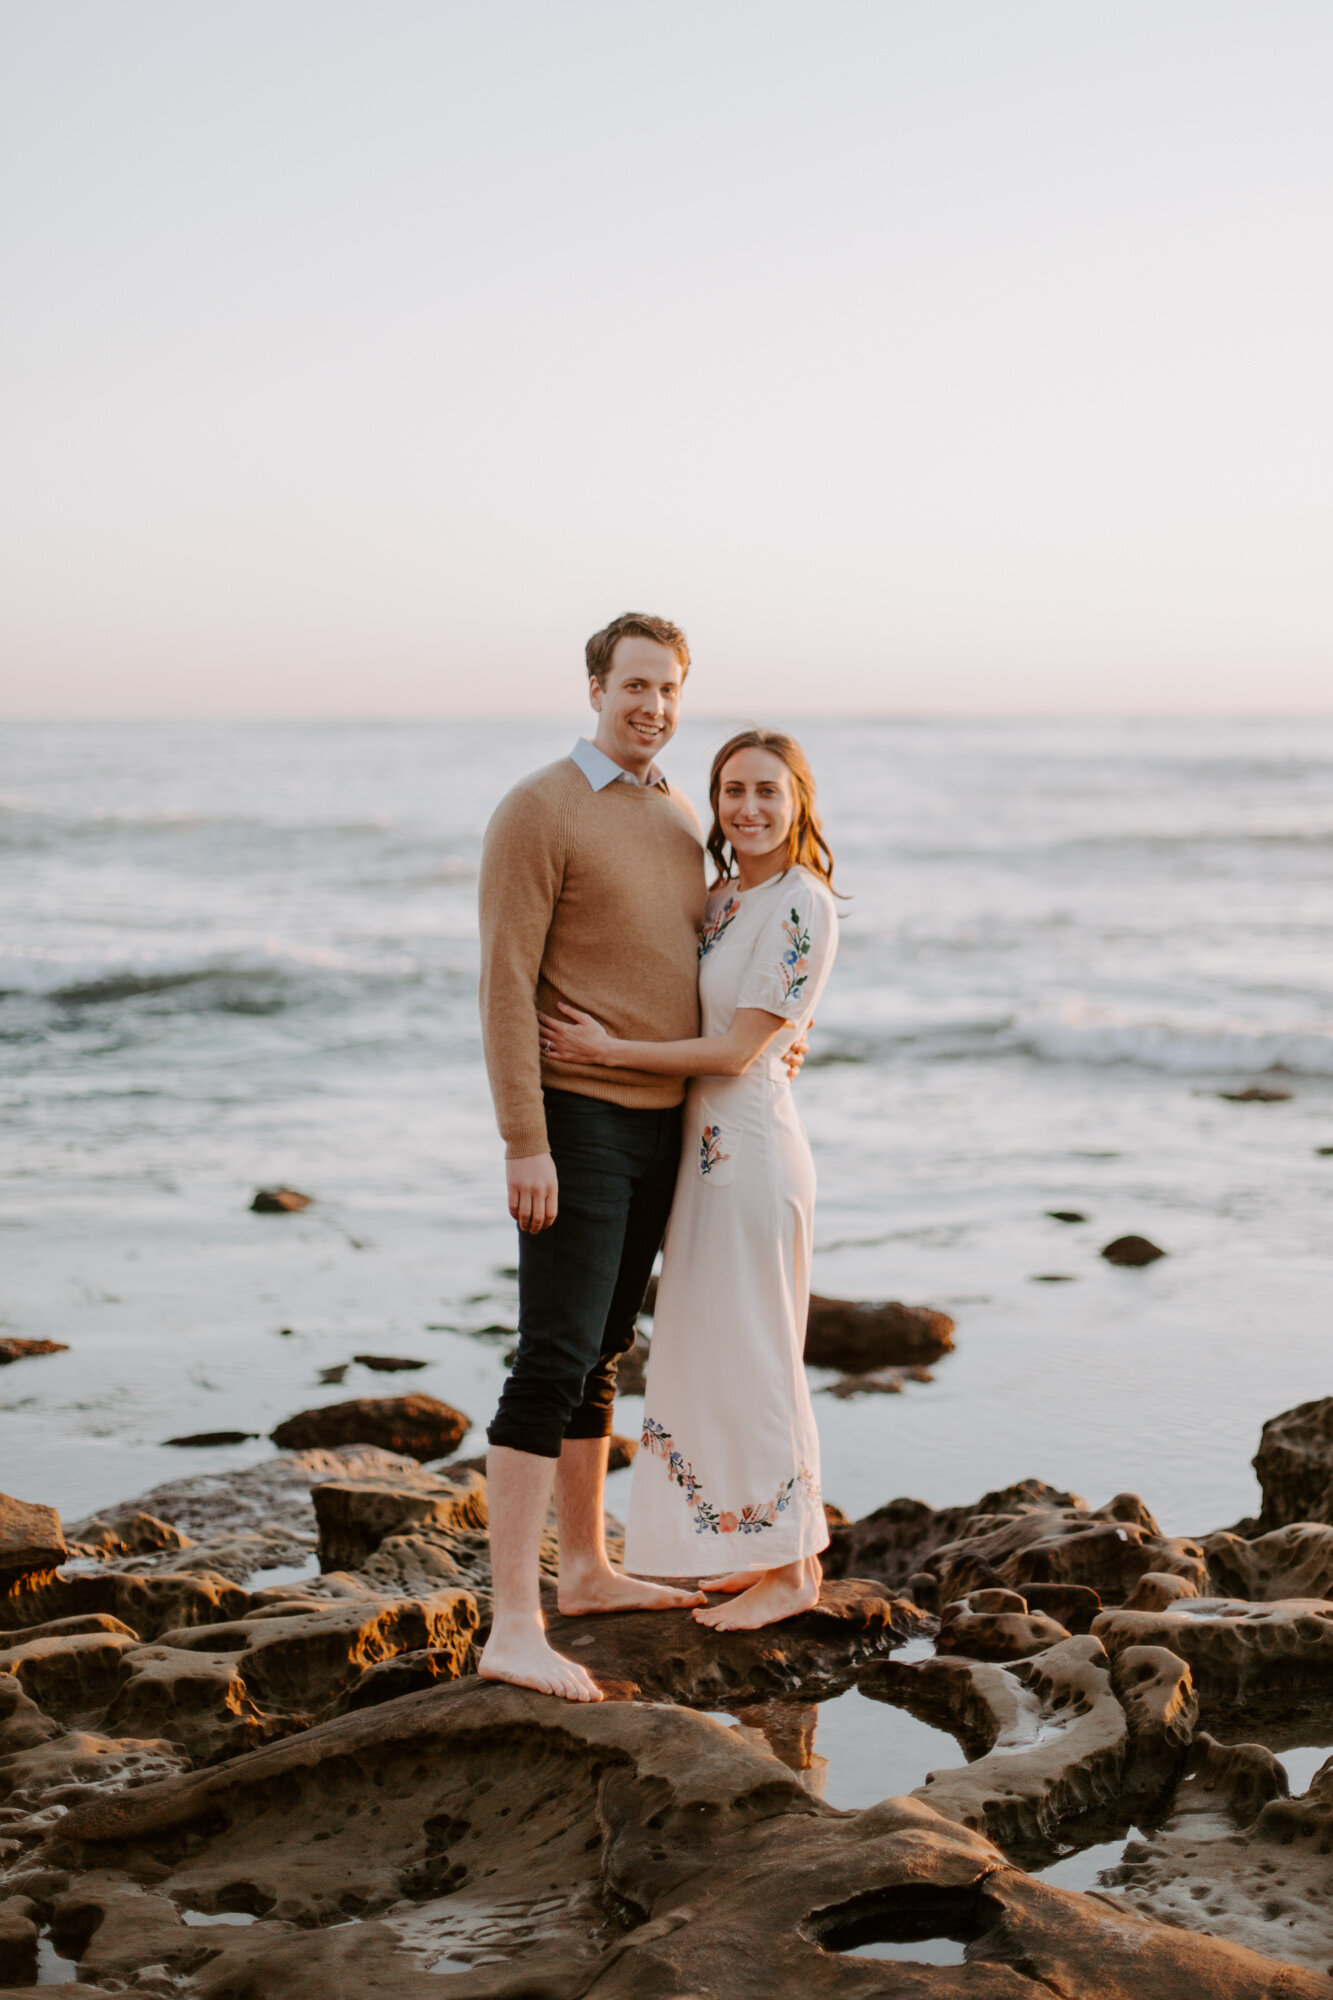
[595, 692]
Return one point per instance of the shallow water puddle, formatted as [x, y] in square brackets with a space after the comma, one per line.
[52, 1969]
[849, 1750]
[1081, 1870]
[216, 1917]
[919, 1951]
[302, 1572]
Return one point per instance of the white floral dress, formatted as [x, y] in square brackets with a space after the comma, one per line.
[727, 1476]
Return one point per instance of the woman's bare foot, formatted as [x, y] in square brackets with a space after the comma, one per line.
[607, 1589]
[520, 1653]
[778, 1594]
[739, 1579]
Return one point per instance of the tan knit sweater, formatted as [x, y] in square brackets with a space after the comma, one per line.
[596, 898]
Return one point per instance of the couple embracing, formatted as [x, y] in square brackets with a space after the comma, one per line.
[641, 1030]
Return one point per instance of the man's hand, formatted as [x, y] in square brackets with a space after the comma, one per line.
[796, 1055]
[532, 1192]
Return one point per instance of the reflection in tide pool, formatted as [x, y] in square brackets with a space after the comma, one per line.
[850, 1750]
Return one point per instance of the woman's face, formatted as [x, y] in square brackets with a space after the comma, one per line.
[756, 801]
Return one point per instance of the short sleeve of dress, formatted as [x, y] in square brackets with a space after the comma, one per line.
[793, 951]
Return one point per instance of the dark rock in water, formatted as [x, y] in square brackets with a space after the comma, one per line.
[1053, 1278]
[858, 1336]
[1132, 1251]
[279, 1201]
[418, 1426]
[1066, 1215]
[1324, 1152]
[388, 1364]
[891, 1544]
[1294, 1465]
[1256, 1095]
[31, 1541]
[335, 1374]
[20, 1350]
[213, 1437]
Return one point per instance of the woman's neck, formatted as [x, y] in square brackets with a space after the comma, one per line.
[753, 872]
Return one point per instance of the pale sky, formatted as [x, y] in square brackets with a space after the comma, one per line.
[961, 356]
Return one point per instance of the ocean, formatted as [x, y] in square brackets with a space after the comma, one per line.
[241, 954]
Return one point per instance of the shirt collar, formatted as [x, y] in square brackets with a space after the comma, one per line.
[601, 770]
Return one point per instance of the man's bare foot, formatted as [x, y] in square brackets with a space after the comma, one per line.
[739, 1579]
[521, 1655]
[610, 1589]
[778, 1594]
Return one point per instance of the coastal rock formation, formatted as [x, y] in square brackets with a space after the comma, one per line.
[220, 1786]
[279, 1201]
[892, 1543]
[417, 1426]
[857, 1337]
[1290, 1562]
[22, 1350]
[388, 1364]
[1294, 1465]
[1132, 1251]
[1236, 1651]
[31, 1542]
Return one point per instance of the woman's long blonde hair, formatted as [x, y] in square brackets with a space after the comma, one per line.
[806, 845]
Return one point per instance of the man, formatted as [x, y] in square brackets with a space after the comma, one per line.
[592, 891]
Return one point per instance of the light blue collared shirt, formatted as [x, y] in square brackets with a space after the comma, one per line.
[601, 770]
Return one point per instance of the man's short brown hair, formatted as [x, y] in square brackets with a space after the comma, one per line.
[633, 625]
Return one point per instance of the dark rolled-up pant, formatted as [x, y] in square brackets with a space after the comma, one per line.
[581, 1282]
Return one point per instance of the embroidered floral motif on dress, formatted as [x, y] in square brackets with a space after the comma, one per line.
[718, 923]
[708, 1519]
[710, 1149]
[795, 965]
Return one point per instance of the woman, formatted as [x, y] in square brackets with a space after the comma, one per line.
[730, 1457]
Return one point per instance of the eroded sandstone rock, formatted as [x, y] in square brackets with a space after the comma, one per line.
[1236, 1651]
[892, 1543]
[418, 1426]
[859, 1336]
[31, 1541]
[1296, 1561]
[1294, 1465]
[12, 1349]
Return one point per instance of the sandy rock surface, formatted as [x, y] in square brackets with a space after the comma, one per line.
[243, 1753]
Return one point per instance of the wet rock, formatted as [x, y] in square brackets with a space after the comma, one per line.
[388, 1364]
[1059, 1741]
[857, 1336]
[1072, 1605]
[127, 1533]
[22, 1350]
[1256, 1094]
[1294, 1465]
[279, 1201]
[1154, 1591]
[19, 1933]
[1156, 1691]
[335, 1374]
[1107, 1551]
[417, 1426]
[356, 1515]
[213, 1437]
[1066, 1215]
[1236, 1651]
[668, 1657]
[1239, 1859]
[1132, 1251]
[31, 1542]
[892, 1543]
[1290, 1562]
[995, 1625]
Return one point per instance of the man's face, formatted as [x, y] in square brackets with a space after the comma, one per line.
[638, 704]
